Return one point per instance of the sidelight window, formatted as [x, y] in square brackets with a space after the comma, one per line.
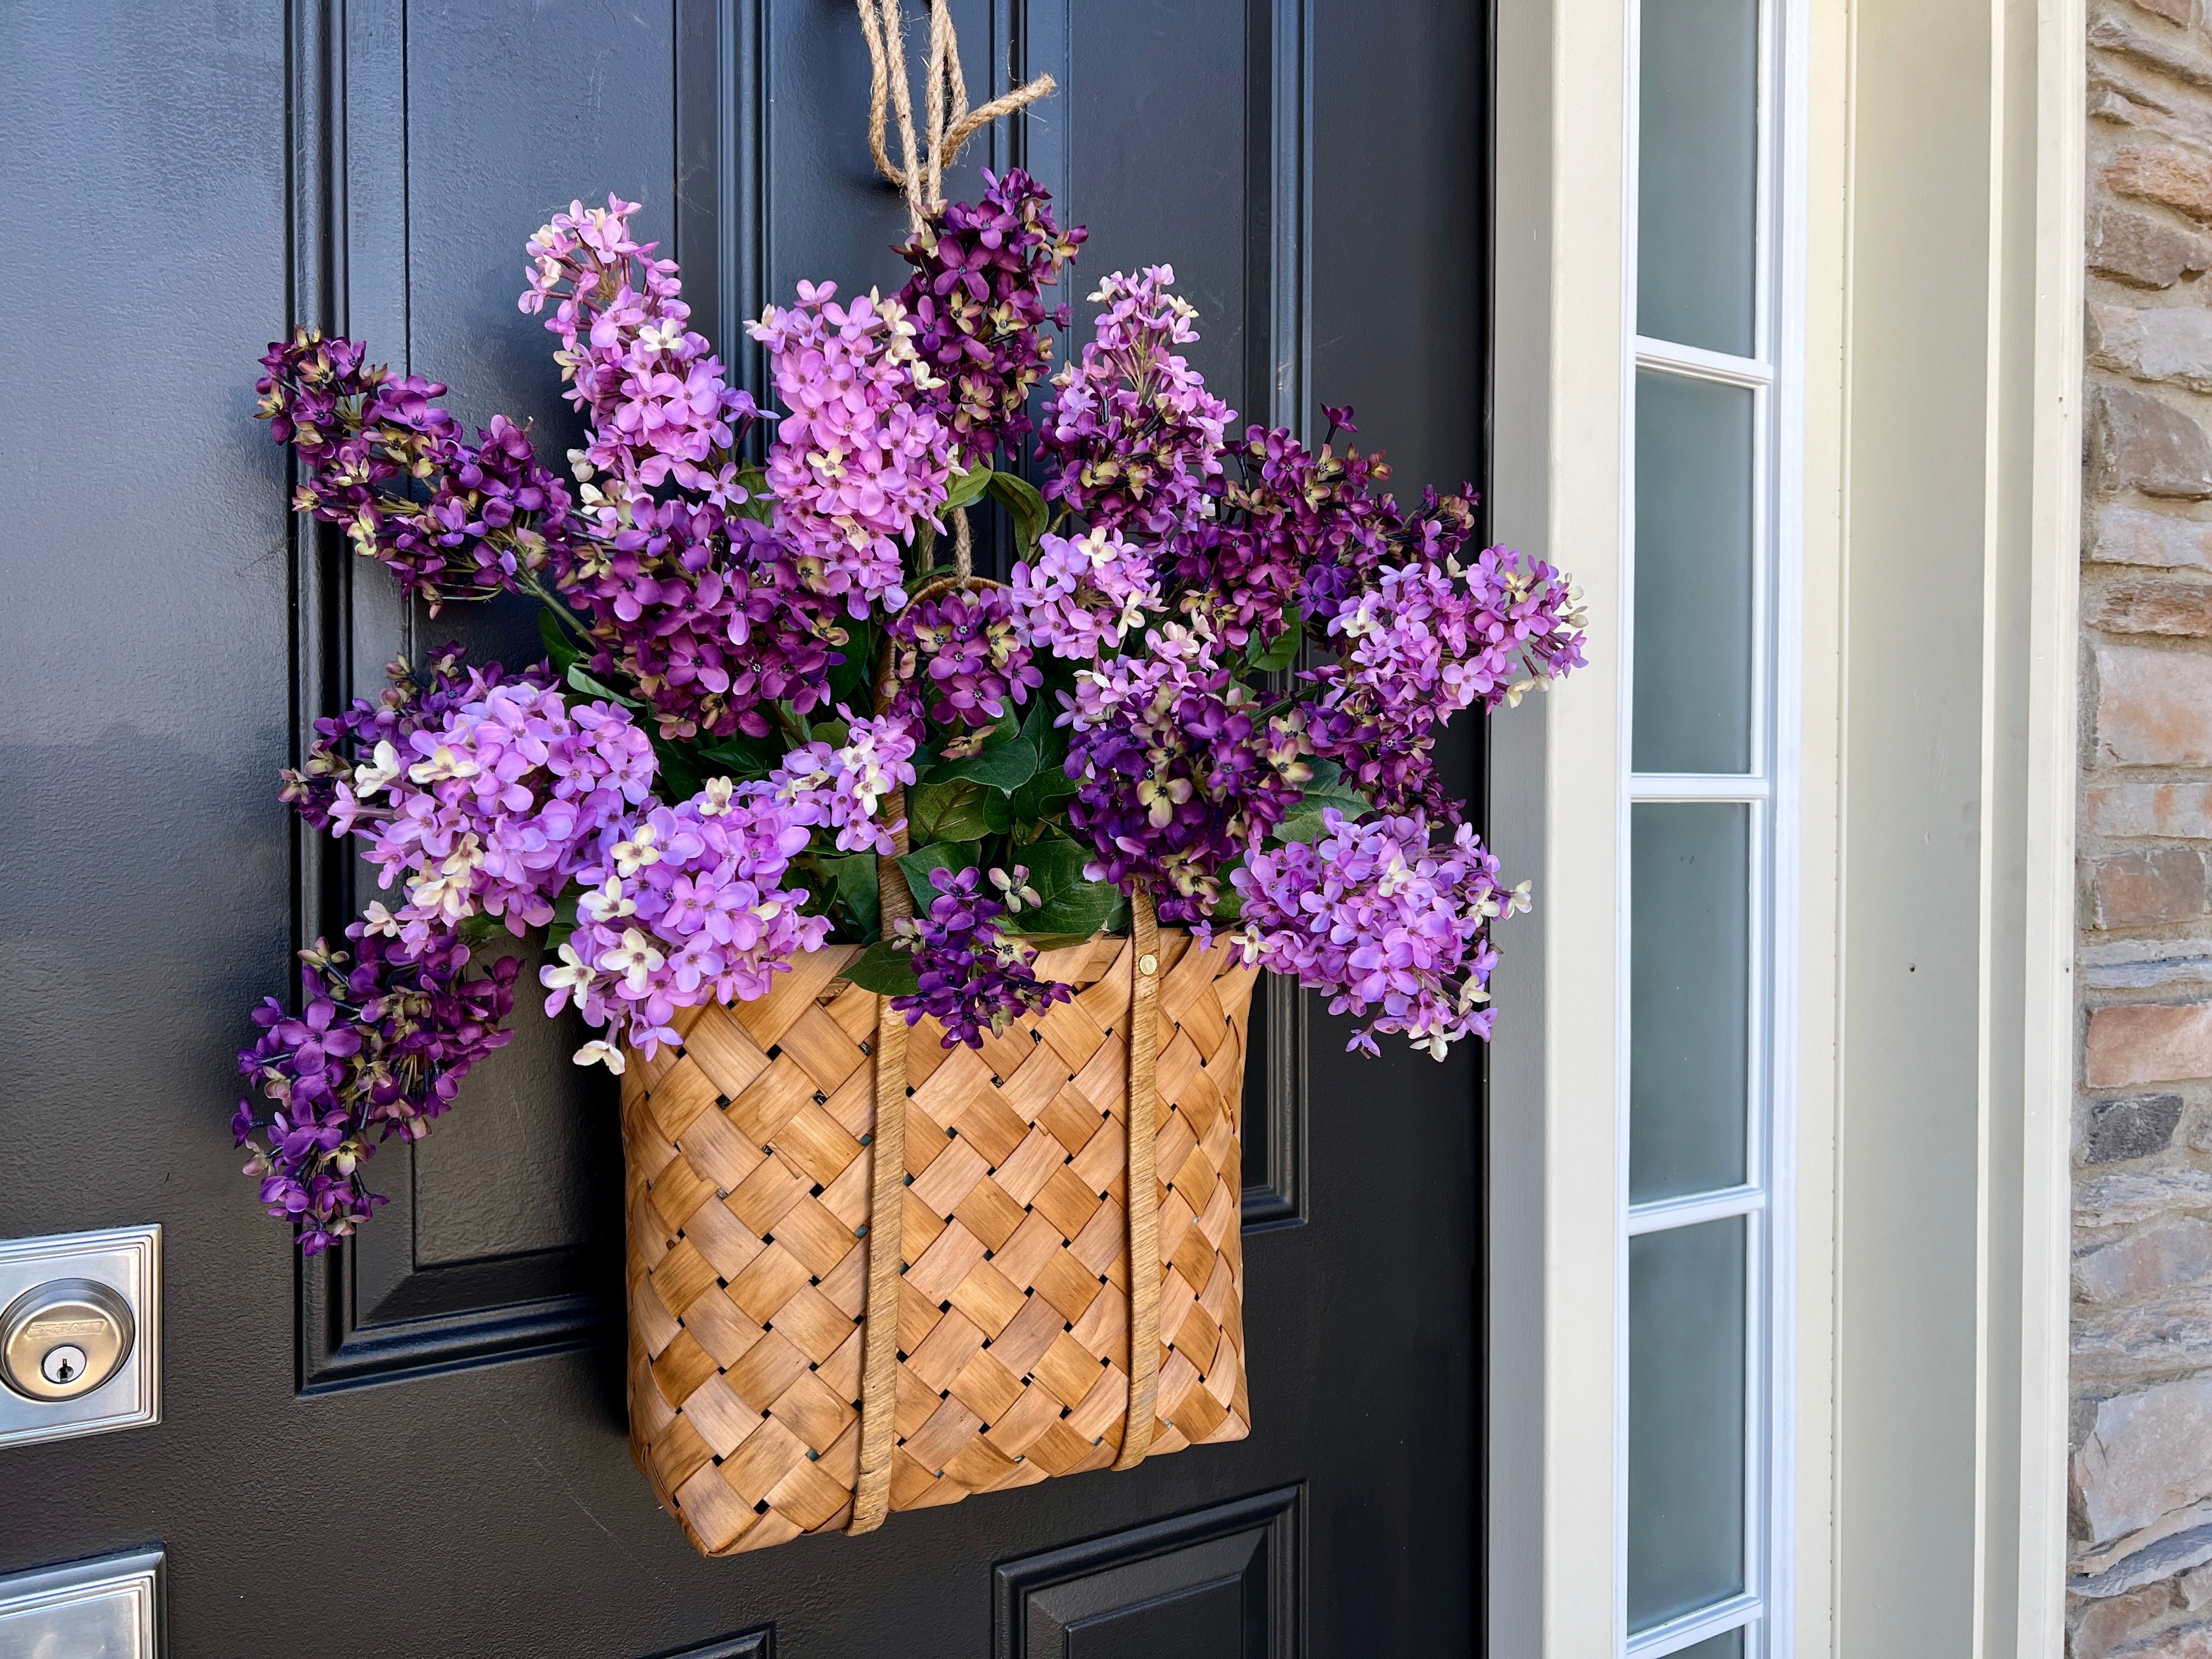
[1707, 815]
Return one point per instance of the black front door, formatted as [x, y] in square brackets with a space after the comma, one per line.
[415, 1445]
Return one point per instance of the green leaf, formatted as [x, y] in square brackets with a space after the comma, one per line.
[1028, 508]
[1043, 799]
[679, 775]
[853, 876]
[759, 504]
[922, 866]
[885, 970]
[563, 651]
[1072, 904]
[947, 811]
[592, 688]
[966, 489]
[740, 756]
[1056, 865]
[1285, 651]
[1326, 788]
[1005, 767]
[849, 680]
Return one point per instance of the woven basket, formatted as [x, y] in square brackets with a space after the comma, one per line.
[783, 1382]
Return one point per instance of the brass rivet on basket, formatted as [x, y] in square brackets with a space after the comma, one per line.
[1148, 963]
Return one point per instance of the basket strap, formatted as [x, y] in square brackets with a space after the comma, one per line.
[1144, 1192]
[871, 1489]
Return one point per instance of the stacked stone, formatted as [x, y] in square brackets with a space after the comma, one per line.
[2141, 1548]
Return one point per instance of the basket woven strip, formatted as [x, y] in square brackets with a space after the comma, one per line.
[751, 1154]
[1144, 1206]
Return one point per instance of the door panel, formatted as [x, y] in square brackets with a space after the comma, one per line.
[439, 1408]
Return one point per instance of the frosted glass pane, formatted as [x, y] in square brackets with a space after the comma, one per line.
[1729, 1644]
[1698, 174]
[1689, 996]
[1686, 1419]
[1693, 550]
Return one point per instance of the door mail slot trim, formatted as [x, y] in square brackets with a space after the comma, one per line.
[110, 1607]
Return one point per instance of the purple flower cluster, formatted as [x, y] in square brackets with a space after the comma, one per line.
[960, 656]
[658, 401]
[377, 1049]
[493, 810]
[1083, 595]
[709, 615]
[1177, 571]
[1179, 771]
[977, 305]
[345, 743]
[1426, 641]
[860, 458]
[971, 964]
[1285, 514]
[682, 905]
[1386, 922]
[1134, 433]
[839, 789]
[367, 443]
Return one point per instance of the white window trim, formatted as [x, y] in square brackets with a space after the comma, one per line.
[1771, 787]
[1561, 342]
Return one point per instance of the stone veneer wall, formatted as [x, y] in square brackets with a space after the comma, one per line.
[2140, 1536]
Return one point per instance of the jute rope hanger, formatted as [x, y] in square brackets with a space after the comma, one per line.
[950, 124]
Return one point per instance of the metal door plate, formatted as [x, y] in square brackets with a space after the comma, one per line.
[108, 1609]
[128, 1259]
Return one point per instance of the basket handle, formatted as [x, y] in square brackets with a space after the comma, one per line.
[879, 1360]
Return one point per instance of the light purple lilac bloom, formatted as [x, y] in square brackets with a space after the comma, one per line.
[1083, 595]
[344, 742]
[839, 789]
[861, 459]
[658, 401]
[1426, 641]
[681, 906]
[1394, 929]
[493, 811]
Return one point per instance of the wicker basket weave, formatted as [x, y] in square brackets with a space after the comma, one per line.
[758, 1405]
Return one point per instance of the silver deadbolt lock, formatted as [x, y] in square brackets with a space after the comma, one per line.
[64, 1338]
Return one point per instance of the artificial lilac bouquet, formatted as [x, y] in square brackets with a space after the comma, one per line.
[1216, 676]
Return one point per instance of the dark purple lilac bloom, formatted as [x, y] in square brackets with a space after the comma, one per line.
[1179, 770]
[710, 617]
[377, 455]
[961, 657]
[971, 966]
[377, 1050]
[976, 303]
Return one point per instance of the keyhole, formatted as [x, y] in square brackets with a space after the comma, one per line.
[64, 1362]
[63, 1369]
